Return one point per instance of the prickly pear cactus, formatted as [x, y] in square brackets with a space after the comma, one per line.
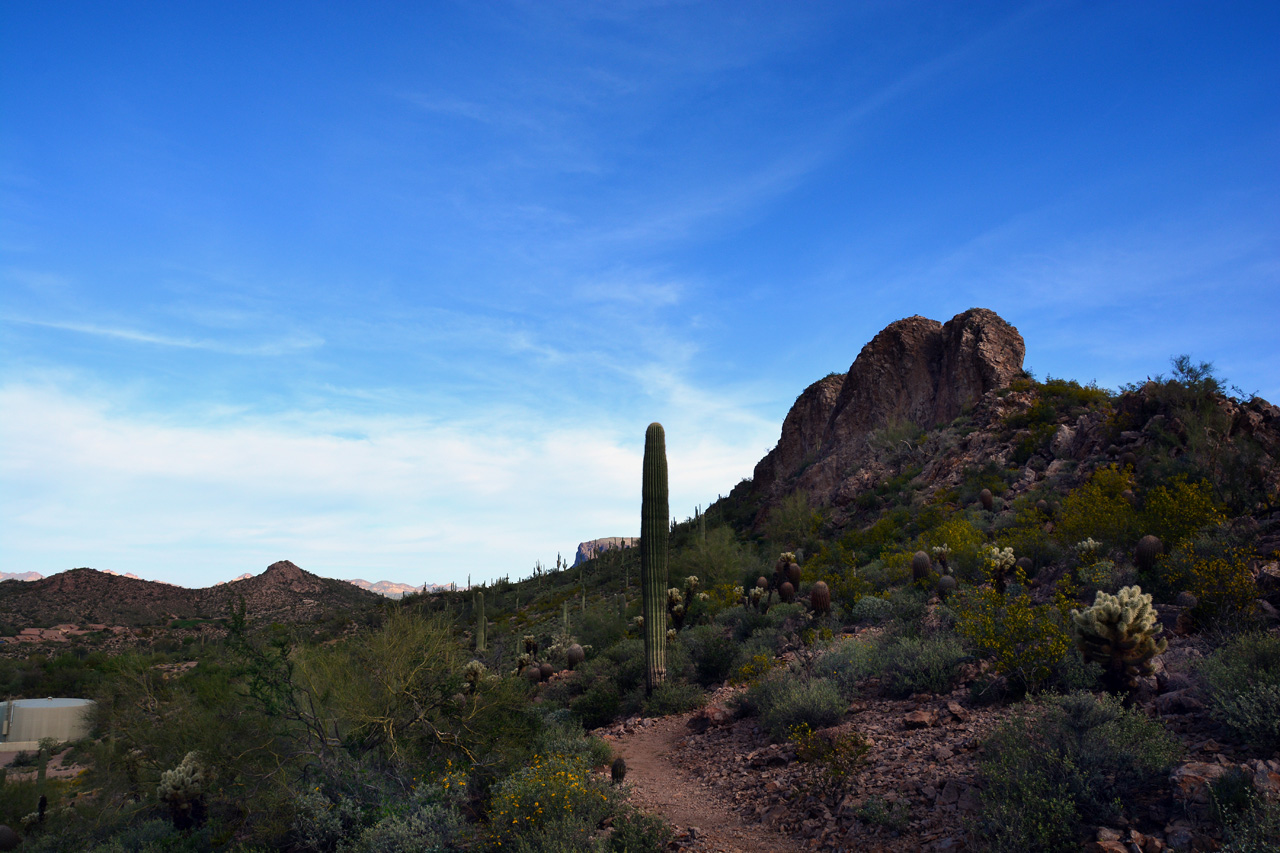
[1120, 632]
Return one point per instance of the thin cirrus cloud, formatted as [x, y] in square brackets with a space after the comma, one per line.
[279, 345]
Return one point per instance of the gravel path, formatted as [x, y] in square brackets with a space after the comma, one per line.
[703, 820]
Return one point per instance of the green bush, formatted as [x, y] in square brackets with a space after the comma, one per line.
[637, 832]
[1062, 766]
[672, 697]
[914, 665]
[848, 664]
[553, 796]
[712, 651]
[787, 699]
[1243, 682]
[871, 608]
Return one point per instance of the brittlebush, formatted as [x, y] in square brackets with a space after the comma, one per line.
[1026, 641]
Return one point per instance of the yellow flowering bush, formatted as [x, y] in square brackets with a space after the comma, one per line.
[1175, 512]
[1100, 509]
[1215, 568]
[552, 791]
[1025, 640]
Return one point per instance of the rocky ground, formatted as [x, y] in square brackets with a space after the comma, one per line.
[727, 789]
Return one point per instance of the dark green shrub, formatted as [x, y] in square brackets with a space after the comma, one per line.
[712, 651]
[1065, 765]
[914, 665]
[637, 832]
[1243, 682]
[673, 697]
[871, 608]
[787, 699]
[848, 664]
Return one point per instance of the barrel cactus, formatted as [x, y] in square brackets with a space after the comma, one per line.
[655, 518]
[820, 598]
[618, 770]
[9, 840]
[920, 566]
[575, 655]
[988, 500]
[786, 592]
[946, 585]
[1120, 632]
[1147, 552]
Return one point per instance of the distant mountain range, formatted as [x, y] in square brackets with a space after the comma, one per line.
[389, 589]
[283, 593]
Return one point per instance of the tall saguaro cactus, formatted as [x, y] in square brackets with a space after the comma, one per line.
[654, 532]
[481, 623]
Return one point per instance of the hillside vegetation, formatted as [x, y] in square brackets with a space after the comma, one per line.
[1037, 552]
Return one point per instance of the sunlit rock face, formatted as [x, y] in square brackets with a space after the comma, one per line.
[915, 370]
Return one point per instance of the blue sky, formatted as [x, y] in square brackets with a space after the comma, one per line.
[393, 290]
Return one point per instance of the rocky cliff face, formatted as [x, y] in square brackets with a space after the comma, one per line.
[916, 371]
[588, 550]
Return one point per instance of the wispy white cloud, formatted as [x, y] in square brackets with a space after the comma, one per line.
[192, 501]
[280, 345]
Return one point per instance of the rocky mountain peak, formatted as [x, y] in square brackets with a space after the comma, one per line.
[915, 370]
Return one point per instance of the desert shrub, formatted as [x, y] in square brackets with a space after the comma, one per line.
[554, 796]
[878, 811]
[561, 733]
[1215, 567]
[716, 559]
[601, 628]
[598, 704]
[964, 540]
[1174, 512]
[1060, 767]
[909, 604]
[840, 757]
[871, 608]
[914, 665]
[1026, 536]
[849, 663]
[1243, 682]
[1252, 829]
[744, 621]
[1026, 641]
[637, 832]
[791, 522]
[1099, 509]
[712, 651]
[787, 699]
[673, 697]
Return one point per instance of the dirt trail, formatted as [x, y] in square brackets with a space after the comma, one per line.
[660, 785]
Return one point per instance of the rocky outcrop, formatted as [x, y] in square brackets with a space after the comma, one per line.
[915, 371]
[588, 550]
[804, 429]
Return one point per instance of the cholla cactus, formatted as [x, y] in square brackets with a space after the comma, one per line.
[999, 562]
[1119, 631]
[183, 789]
[474, 673]
[1088, 549]
[941, 554]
